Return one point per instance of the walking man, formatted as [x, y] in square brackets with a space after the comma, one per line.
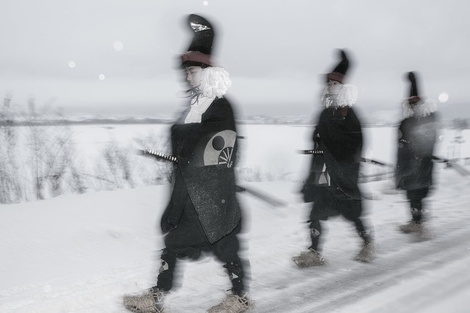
[203, 214]
[332, 185]
[417, 135]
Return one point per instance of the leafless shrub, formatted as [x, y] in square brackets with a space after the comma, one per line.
[150, 170]
[38, 159]
[114, 169]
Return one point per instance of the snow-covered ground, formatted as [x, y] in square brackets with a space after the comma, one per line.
[81, 253]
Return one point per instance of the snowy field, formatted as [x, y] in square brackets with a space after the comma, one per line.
[81, 253]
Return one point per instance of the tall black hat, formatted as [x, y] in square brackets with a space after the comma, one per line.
[339, 72]
[199, 52]
[414, 94]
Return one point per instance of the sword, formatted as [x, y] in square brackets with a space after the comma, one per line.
[452, 163]
[262, 196]
[365, 160]
[165, 157]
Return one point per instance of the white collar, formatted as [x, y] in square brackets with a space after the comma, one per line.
[198, 108]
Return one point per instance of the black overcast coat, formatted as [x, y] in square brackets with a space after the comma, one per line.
[205, 172]
[340, 139]
[416, 141]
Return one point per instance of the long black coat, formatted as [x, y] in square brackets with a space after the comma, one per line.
[416, 140]
[205, 172]
[340, 139]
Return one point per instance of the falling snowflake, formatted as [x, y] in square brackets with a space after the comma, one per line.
[443, 97]
[118, 45]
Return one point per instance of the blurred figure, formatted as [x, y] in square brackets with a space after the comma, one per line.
[332, 185]
[417, 135]
[203, 214]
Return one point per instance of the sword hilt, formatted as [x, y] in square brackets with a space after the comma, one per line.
[159, 155]
[312, 151]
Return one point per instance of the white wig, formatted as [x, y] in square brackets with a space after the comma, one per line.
[421, 109]
[346, 96]
[214, 82]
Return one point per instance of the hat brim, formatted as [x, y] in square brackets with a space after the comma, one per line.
[195, 58]
[335, 76]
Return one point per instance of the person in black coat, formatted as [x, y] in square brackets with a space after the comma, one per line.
[203, 214]
[332, 185]
[417, 134]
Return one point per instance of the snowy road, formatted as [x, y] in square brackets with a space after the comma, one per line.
[75, 254]
[399, 269]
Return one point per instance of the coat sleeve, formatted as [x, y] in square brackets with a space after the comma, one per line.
[172, 215]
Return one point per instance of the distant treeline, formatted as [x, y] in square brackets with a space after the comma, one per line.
[92, 121]
[456, 123]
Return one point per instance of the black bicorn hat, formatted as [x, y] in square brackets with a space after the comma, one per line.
[339, 72]
[200, 49]
[414, 93]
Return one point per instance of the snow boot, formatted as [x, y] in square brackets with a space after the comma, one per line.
[233, 303]
[424, 233]
[148, 302]
[309, 258]
[410, 227]
[420, 229]
[367, 252]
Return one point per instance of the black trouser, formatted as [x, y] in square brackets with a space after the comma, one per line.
[415, 197]
[188, 241]
[316, 232]
[326, 205]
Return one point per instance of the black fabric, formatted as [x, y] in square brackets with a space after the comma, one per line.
[189, 242]
[214, 200]
[413, 85]
[188, 239]
[316, 173]
[172, 215]
[203, 214]
[415, 198]
[329, 202]
[343, 65]
[210, 188]
[416, 141]
[417, 194]
[203, 34]
[167, 271]
[316, 232]
[341, 140]
[365, 235]
[237, 275]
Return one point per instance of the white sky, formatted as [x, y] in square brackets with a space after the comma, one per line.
[276, 52]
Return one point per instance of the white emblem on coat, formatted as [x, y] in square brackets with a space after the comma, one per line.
[219, 148]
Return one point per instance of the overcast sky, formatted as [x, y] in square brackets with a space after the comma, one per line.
[118, 56]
